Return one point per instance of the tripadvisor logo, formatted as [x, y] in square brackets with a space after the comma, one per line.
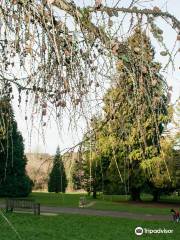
[139, 231]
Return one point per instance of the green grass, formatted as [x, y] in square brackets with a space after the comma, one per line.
[107, 202]
[114, 203]
[126, 207]
[57, 199]
[76, 227]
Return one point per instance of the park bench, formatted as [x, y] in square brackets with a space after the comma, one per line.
[15, 203]
[82, 202]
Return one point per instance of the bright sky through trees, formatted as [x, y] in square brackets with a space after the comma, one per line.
[34, 141]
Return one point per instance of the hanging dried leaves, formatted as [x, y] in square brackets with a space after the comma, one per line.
[61, 66]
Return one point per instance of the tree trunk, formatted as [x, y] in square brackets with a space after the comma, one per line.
[156, 196]
[135, 194]
[94, 194]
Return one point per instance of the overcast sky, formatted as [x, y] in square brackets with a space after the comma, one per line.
[67, 138]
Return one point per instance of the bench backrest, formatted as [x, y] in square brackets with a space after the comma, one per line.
[20, 203]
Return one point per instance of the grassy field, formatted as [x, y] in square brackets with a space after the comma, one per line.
[76, 227]
[109, 202]
[115, 202]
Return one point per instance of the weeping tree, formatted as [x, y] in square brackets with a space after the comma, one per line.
[14, 181]
[57, 64]
[57, 178]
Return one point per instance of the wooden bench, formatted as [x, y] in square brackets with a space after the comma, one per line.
[19, 203]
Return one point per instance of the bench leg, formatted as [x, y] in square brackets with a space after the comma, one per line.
[34, 208]
[7, 208]
[38, 209]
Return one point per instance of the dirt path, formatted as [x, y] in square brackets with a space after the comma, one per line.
[92, 212]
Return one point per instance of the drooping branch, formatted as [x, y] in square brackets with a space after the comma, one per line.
[155, 12]
[68, 62]
[76, 13]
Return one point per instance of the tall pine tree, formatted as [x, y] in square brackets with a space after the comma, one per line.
[57, 179]
[14, 181]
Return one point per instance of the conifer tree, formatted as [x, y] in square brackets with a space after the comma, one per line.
[136, 110]
[137, 105]
[14, 181]
[57, 178]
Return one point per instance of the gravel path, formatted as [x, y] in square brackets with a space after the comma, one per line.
[93, 212]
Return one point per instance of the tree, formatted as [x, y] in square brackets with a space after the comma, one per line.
[177, 123]
[77, 173]
[65, 57]
[91, 168]
[64, 60]
[57, 178]
[136, 111]
[94, 170]
[14, 181]
[162, 179]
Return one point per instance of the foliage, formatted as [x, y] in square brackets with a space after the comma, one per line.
[177, 123]
[77, 173]
[91, 166]
[142, 113]
[14, 181]
[57, 178]
[136, 111]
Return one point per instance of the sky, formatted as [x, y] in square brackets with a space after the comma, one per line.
[65, 138]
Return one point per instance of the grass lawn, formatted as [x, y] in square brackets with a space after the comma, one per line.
[76, 227]
[115, 202]
[108, 202]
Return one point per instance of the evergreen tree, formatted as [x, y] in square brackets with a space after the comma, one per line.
[137, 110]
[57, 178]
[126, 147]
[14, 181]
